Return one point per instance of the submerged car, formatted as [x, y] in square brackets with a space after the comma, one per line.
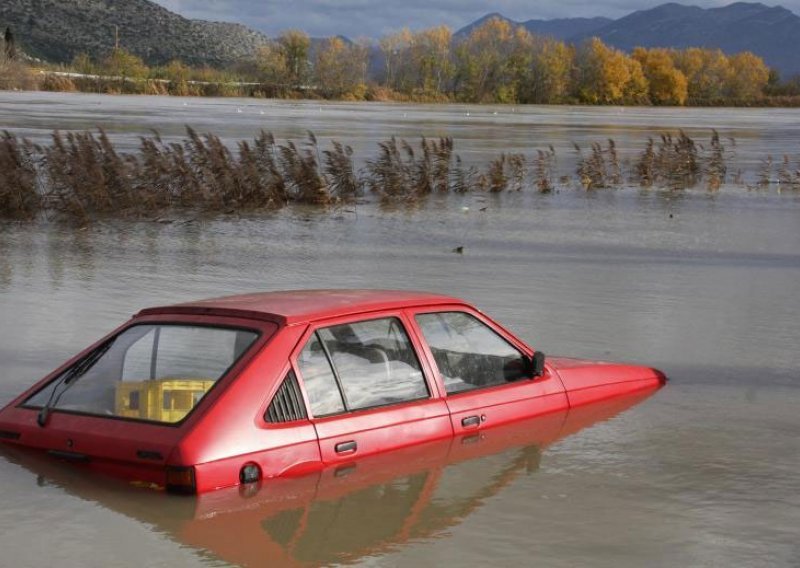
[216, 393]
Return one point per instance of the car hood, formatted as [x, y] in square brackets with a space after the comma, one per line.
[589, 381]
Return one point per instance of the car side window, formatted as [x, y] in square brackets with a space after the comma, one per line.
[364, 364]
[323, 393]
[468, 353]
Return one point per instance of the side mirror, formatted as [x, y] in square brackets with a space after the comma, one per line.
[536, 364]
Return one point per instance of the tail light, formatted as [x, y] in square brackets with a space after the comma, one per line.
[181, 479]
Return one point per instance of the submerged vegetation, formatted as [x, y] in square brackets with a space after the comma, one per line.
[497, 62]
[81, 175]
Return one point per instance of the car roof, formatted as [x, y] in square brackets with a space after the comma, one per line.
[297, 306]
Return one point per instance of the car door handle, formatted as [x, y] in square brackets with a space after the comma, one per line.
[346, 447]
[470, 421]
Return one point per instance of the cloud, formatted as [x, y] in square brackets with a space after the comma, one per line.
[365, 18]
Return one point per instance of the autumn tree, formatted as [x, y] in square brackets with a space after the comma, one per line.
[295, 46]
[122, 63]
[707, 72]
[82, 63]
[430, 59]
[285, 61]
[394, 48]
[548, 79]
[748, 78]
[604, 75]
[271, 64]
[340, 68]
[666, 84]
[492, 62]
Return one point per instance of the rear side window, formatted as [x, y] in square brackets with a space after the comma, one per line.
[468, 353]
[287, 405]
[156, 372]
[370, 363]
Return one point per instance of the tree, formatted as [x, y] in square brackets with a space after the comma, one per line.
[82, 63]
[122, 63]
[394, 48]
[748, 78]
[339, 67]
[430, 59]
[295, 46]
[271, 64]
[707, 71]
[637, 87]
[548, 80]
[493, 61]
[10, 44]
[604, 75]
[666, 84]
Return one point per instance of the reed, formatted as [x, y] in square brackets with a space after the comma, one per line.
[765, 172]
[81, 175]
[400, 172]
[543, 168]
[84, 175]
[344, 184]
[715, 167]
[788, 175]
[19, 197]
[600, 169]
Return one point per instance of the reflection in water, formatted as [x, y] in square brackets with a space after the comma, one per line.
[340, 514]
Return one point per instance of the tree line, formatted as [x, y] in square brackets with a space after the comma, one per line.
[497, 62]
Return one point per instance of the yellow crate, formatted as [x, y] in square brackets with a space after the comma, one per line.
[165, 400]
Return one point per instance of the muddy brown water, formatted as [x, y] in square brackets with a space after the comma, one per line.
[705, 287]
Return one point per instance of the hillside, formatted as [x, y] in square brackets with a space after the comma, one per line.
[560, 28]
[770, 32]
[57, 30]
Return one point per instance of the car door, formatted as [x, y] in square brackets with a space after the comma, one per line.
[367, 387]
[483, 369]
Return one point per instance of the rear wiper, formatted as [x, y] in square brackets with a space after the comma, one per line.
[69, 378]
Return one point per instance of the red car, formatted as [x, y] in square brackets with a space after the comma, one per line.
[228, 391]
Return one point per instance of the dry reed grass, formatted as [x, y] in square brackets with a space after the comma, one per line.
[19, 197]
[81, 175]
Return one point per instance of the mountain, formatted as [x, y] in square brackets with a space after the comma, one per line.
[565, 28]
[57, 30]
[561, 28]
[772, 32]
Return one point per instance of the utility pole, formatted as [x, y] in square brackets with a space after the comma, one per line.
[116, 37]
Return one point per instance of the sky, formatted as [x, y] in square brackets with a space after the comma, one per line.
[365, 18]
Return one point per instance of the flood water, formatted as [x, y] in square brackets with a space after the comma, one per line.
[704, 286]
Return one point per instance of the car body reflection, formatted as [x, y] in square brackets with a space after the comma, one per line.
[339, 514]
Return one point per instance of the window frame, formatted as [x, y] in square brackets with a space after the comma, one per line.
[492, 325]
[415, 344]
[244, 359]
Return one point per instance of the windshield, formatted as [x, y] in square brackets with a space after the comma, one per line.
[148, 372]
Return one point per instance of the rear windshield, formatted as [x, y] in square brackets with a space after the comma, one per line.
[148, 372]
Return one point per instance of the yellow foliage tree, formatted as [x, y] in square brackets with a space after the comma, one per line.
[394, 48]
[666, 84]
[122, 63]
[707, 72]
[430, 57]
[748, 78]
[340, 68]
[493, 61]
[605, 75]
[548, 79]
